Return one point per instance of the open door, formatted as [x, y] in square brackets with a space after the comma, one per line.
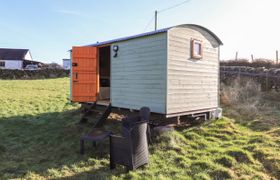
[84, 74]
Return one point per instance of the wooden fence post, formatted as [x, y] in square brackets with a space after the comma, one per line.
[266, 81]
[239, 72]
[276, 56]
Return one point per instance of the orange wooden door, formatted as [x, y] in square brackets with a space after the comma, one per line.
[84, 74]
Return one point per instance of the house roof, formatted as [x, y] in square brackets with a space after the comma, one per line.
[154, 32]
[12, 54]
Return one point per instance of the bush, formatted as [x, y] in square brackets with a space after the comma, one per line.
[34, 74]
[240, 91]
[243, 96]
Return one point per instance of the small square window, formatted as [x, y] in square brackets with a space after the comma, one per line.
[196, 49]
[2, 63]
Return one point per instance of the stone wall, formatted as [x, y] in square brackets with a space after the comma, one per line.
[268, 78]
[33, 74]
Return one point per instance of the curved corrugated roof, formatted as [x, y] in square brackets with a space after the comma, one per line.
[154, 32]
[205, 29]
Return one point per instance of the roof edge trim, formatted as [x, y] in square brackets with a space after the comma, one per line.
[204, 28]
[108, 42]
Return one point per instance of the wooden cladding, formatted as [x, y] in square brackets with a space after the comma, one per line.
[84, 74]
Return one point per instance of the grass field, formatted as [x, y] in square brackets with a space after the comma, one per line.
[39, 139]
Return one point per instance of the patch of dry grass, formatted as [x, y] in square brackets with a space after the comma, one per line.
[259, 111]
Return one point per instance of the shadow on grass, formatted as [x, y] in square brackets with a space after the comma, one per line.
[48, 145]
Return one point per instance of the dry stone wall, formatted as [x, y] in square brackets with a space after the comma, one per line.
[268, 78]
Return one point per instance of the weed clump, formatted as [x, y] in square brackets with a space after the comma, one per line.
[257, 139]
[272, 164]
[275, 132]
[2, 149]
[241, 156]
[240, 91]
[192, 136]
[243, 96]
[268, 159]
[200, 166]
[221, 173]
[226, 161]
[202, 176]
[172, 141]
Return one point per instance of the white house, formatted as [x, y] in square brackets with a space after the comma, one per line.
[66, 63]
[15, 58]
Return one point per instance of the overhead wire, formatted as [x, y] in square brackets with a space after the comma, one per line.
[166, 9]
[174, 6]
[148, 24]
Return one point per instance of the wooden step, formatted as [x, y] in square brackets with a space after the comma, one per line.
[98, 112]
[104, 116]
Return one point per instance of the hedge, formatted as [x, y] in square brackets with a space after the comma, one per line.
[33, 74]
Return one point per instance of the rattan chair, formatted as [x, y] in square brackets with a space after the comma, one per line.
[144, 116]
[130, 150]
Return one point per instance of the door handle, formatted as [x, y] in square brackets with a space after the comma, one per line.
[75, 77]
[74, 64]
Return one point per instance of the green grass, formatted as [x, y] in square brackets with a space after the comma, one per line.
[39, 139]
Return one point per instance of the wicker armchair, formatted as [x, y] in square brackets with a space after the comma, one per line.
[144, 116]
[130, 150]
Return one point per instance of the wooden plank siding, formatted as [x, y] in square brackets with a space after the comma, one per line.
[138, 73]
[191, 84]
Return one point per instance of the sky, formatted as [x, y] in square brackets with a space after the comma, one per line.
[49, 28]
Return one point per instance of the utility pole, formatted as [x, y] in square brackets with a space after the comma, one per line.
[156, 20]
